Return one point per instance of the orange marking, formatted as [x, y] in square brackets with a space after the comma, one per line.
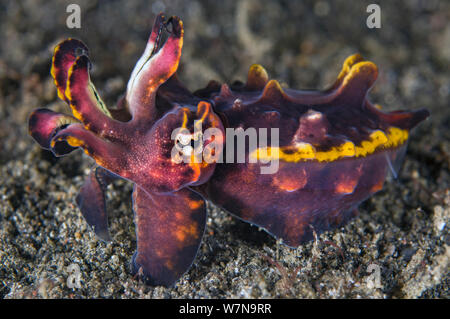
[180, 234]
[74, 142]
[196, 167]
[183, 232]
[378, 186]
[185, 117]
[195, 204]
[179, 215]
[291, 183]
[346, 187]
[169, 264]
[159, 252]
[346, 184]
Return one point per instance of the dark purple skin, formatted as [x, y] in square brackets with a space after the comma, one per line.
[133, 141]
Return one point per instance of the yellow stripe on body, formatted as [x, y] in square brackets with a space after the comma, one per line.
[307, 152]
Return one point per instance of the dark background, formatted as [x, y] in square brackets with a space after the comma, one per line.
[300, 43]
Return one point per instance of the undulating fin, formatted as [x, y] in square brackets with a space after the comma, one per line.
[91, 200]
[169, 230]
[395, 161]
[44, 124]
[64, 56]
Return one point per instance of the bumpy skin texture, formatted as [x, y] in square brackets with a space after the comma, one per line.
[335, 150]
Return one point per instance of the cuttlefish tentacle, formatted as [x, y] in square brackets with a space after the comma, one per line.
[44, 124]
[105, 153]
[86, 104]
[70, 71]
[155, 67]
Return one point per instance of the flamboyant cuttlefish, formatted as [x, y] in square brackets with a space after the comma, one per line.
[333, 149]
